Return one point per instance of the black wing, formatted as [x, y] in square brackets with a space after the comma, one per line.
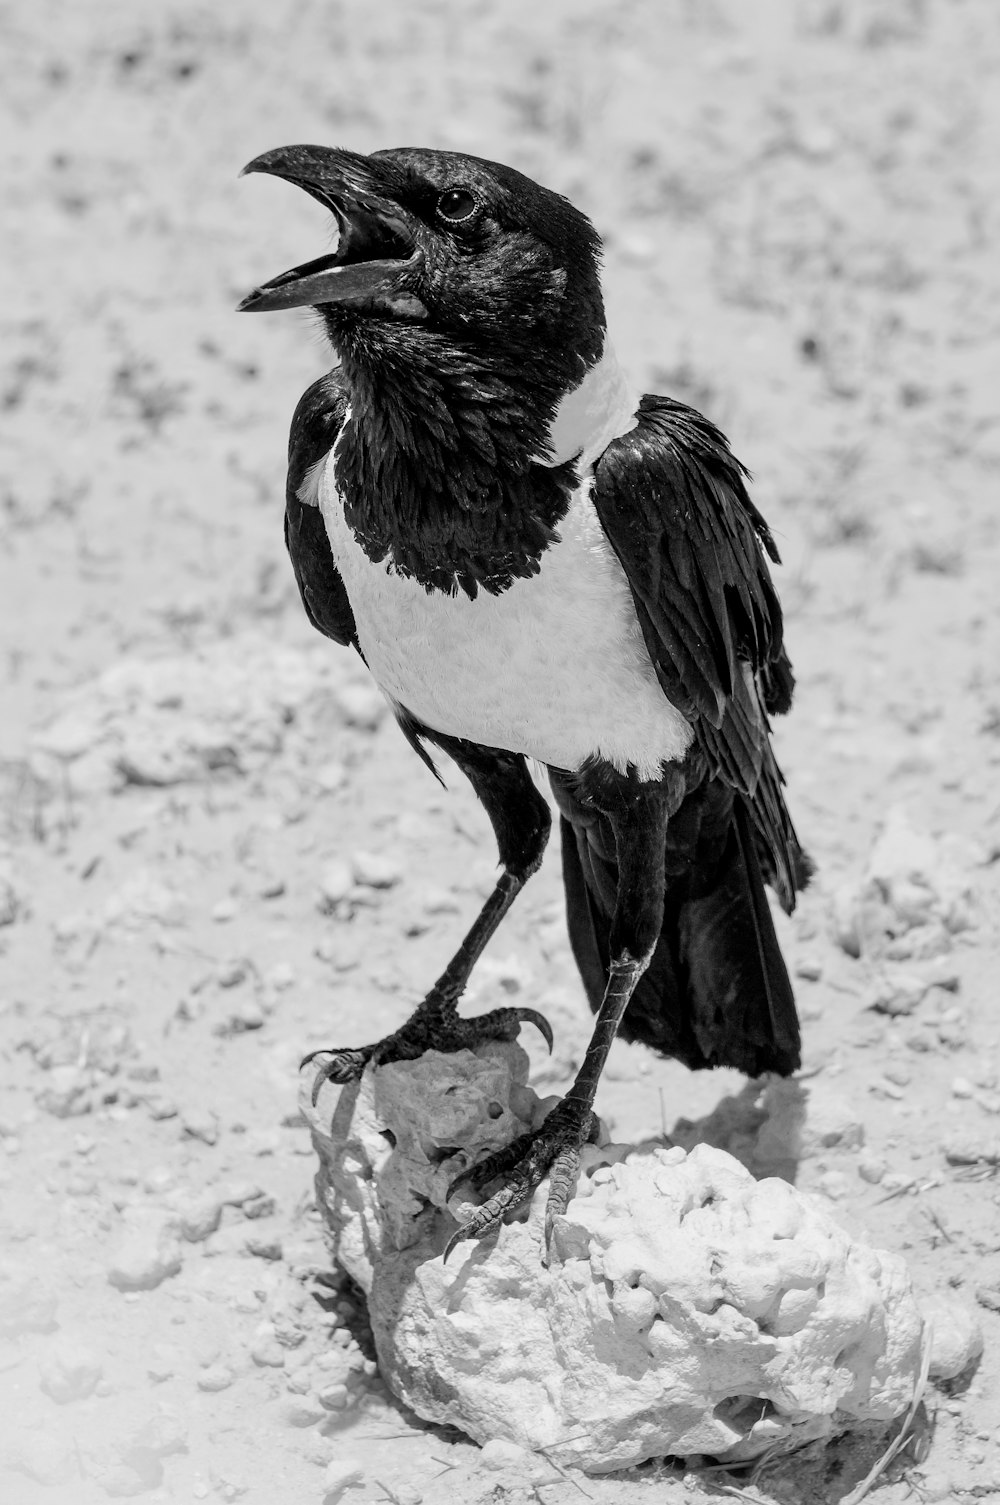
[672, 500]
[315, 425]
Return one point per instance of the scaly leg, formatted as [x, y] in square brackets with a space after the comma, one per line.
[554, 1148]
[520, 818]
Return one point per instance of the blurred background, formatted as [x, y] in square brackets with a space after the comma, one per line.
[800, 206]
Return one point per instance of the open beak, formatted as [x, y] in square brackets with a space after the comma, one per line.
[376, 246]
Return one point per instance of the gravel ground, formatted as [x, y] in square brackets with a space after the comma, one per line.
[216, 852]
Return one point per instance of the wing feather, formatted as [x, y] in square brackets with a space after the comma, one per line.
[316, 423]
[672, 500]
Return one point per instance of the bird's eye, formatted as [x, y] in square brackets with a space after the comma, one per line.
[456, 205]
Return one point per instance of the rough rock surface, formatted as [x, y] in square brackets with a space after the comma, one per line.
[688, 1308]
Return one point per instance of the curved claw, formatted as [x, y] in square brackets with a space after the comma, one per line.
[343, 1066]
[544, 1028]
[459, 1236]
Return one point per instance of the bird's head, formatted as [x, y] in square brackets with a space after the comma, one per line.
[438, 251]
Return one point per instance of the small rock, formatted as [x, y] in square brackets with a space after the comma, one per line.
[407, 1494]
[957, 1337]
[900, 1076]
[304, 1412]
[215, 1377]
[69, 1370]
[898, 993]
[340, 1475]
[989, 1297]
[197, 1123]
[835, 1185]
[149, 1253]
[331, 777]
[68, 1092]
[809, 969]
[498, 1455]
[161, 1108]
[871, 1168]
[266, 1351]
[280, 977]
[224, 911]
[360, 705]
[232, 973]
[962, 1087]
[264, 1246]
[374, 870]
[162, 1361]
[260, 1206]
[335, 883]
[26, 1303]
[200, 1216]
[47, 1457]
[333, 1397]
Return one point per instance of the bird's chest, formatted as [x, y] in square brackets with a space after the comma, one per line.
[554, 667]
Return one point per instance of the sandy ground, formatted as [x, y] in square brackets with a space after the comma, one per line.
[215, 852]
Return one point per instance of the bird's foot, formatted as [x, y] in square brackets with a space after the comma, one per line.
[430, 1027]
[552, 1150]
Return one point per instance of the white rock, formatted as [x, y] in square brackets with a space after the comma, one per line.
[957, 1337]
[913, 882]
[47, 1457]
[690, 1309]
[340, 1475]
[336, 882]
[360, 705]
[69, 1369]
[149, 1252]
[27, 1305]
[375, 870]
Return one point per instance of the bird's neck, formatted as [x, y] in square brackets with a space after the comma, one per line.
[457, 470]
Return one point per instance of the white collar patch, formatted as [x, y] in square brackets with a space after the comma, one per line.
[603, 407]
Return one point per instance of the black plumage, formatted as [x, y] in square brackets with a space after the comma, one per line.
[465, 304]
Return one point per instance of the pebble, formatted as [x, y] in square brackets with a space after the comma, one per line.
[335, 883]
[49, 1458]
[216, 1377]
[989, 1297]
[957, 1338]
[67, 1092]
[265, 1246]
[407, 1494]
[331, 777]
[835, 1185]
[198, 1123]
[267, 1352]
[281, 976]
[962, 1087]
[871, 1168]
[374, 870]
[149, 1252]
[498, 1454]
[898, 993]
[304, 1412]
[162, 1361]
[900, 1076]
[360, 705]
[339, 1476]
[69, 1369]
[201, 1216]
[26, 1305]
[224, 911]
[333, 1397]
[809, 969]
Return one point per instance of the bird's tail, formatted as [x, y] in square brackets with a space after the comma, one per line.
[716, 992]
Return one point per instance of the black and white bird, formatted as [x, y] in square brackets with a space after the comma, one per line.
[537, 563]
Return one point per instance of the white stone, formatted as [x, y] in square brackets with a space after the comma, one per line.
[69, 1369]
[149, 1252]
[956, 1336]
[340, 1475]
[688, 1308]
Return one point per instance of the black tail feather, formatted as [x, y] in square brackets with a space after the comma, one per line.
[716, 992]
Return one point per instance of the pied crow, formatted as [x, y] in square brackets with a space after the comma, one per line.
[536, 562]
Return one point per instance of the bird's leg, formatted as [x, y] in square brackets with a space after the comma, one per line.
[521, 820]
[554, 1148]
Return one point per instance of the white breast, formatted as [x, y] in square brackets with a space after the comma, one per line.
[555, 667]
